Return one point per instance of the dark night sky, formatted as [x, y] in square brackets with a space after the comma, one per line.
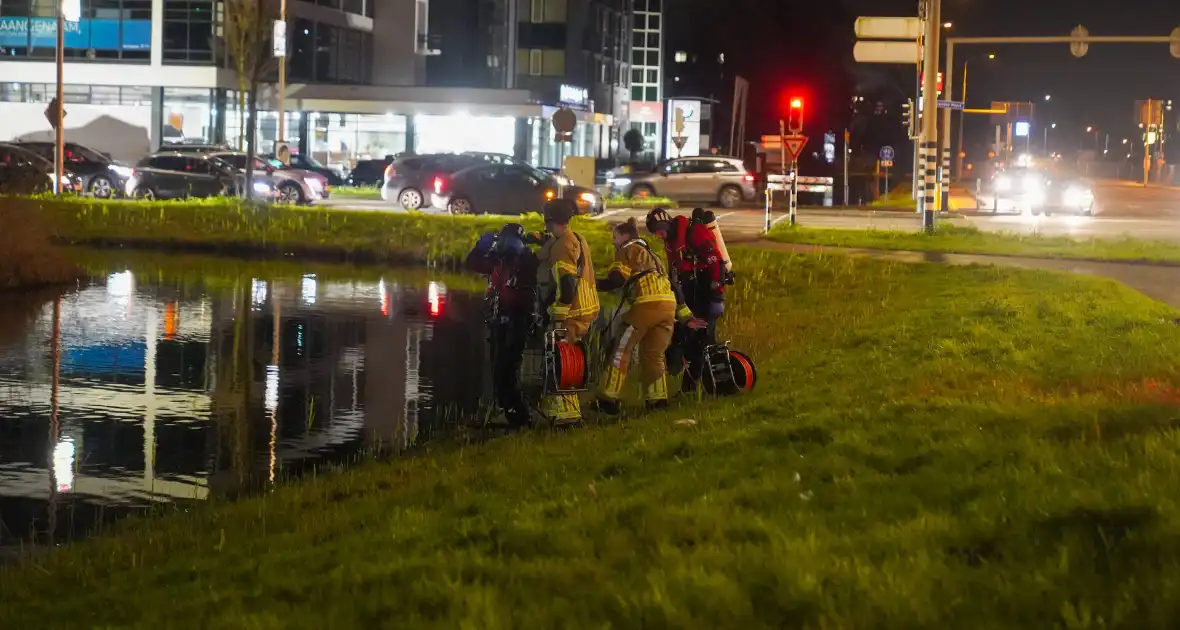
[797, 46]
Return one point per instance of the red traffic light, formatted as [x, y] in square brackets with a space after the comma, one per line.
[796, 103]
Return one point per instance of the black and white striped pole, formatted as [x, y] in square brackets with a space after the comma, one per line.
[929, 146]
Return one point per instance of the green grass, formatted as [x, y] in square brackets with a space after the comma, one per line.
[929, 447]
[900, 196]
[968, 240]
[232, 227]
[357, 192]
[640, 202]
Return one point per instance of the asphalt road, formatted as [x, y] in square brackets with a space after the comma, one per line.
[1124, 209]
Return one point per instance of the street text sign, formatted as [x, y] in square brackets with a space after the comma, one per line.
[885, 52]
[888, 28]
[955, 105]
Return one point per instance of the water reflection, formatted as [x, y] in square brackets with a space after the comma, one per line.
[134, 391]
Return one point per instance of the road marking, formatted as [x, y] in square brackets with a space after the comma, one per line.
[775, 222]
[609, 213]
[718, 217]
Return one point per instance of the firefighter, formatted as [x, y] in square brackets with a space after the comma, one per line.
[512, 271]
[649, 321]
[697, 268]
[565, 279]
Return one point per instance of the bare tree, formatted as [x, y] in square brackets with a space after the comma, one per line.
[247, 33]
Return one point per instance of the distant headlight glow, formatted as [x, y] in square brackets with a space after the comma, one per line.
[1003, 183]
[589, 198]
[262, 188]
[120, 170]
[1078, 197]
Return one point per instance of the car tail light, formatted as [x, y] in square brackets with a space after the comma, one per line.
[438, 185]
[389, 172]
[549, 194]
[749, 178]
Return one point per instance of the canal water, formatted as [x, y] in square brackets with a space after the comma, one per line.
[158, 382]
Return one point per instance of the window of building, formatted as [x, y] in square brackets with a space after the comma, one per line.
[95, 95]
[325, 53]
[651, 94]
[637, 93]
[653, 76]
[188, 31]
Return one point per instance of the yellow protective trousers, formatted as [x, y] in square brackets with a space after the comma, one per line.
[648, 326]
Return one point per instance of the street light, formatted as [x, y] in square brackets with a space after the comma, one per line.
[1048, 97]
[1089, 129]
[991, 55]
[1124, 141]
[947, 24]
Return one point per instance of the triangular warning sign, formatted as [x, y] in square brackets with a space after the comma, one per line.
[794, 146]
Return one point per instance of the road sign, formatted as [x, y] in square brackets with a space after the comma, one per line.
[885, 52]
[886, 153]
[955, 105]
[794, 145]
[564, 122]
[278, 38]
[679, 141]
[1175, 46]
[772, 143]
[51, 113]
[1079, 49]
[886, 163]
[888, 28]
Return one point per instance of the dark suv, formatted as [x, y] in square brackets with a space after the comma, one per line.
[174, 175]
[97, 173]
[409, 180]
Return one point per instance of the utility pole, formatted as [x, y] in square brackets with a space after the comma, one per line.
[847, 150]
[282, 135]
[944, 172]
[930, 113]
[59, 162]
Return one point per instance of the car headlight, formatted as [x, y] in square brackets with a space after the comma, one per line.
[1032, 183]
[620, 181]
[120, 170]
[1003, 183]
[589, 198]
[262, 188]
[1077, 196]
[314, 184]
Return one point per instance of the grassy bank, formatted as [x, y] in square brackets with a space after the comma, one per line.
[28, 259]
[967, 240]
[230, 227]
[356, 192]
[929, 447]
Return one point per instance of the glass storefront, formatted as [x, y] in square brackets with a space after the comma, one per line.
[543, 151]
[188, 115]
[463, 132]
[340, 140]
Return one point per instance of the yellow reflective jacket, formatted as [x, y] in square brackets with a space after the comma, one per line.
[569, 255]
[644, 279]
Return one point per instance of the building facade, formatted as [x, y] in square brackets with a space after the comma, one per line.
[647, 77]
[140, 73]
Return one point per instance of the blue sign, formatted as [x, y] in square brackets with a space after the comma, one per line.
[955, 105]
[1021, 129]
[23, 32]
[887, 153]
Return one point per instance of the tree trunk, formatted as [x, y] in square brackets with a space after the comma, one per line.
[251, 135]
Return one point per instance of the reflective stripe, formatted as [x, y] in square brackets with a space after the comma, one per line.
[560, 266]
[621, 268]
[620, 350]
[645, 299]
[657, 391]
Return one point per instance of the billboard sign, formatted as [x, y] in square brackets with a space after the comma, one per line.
[26, 32]
[685, 115]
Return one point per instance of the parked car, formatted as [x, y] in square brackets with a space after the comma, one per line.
[724, 180]
[174, 175]
[309, 163]
[291, 185]
[98, 174]
[369, 172]
[15, 157]
[193, 147]
[507, 189]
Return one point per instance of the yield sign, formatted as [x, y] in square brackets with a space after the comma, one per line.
[794, 145]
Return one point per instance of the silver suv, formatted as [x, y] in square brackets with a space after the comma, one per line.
[706, 178]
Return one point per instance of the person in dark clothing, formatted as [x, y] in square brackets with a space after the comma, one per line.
[512, 270]
[697, 270]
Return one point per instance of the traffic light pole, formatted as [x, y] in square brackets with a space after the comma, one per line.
[930, 114]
